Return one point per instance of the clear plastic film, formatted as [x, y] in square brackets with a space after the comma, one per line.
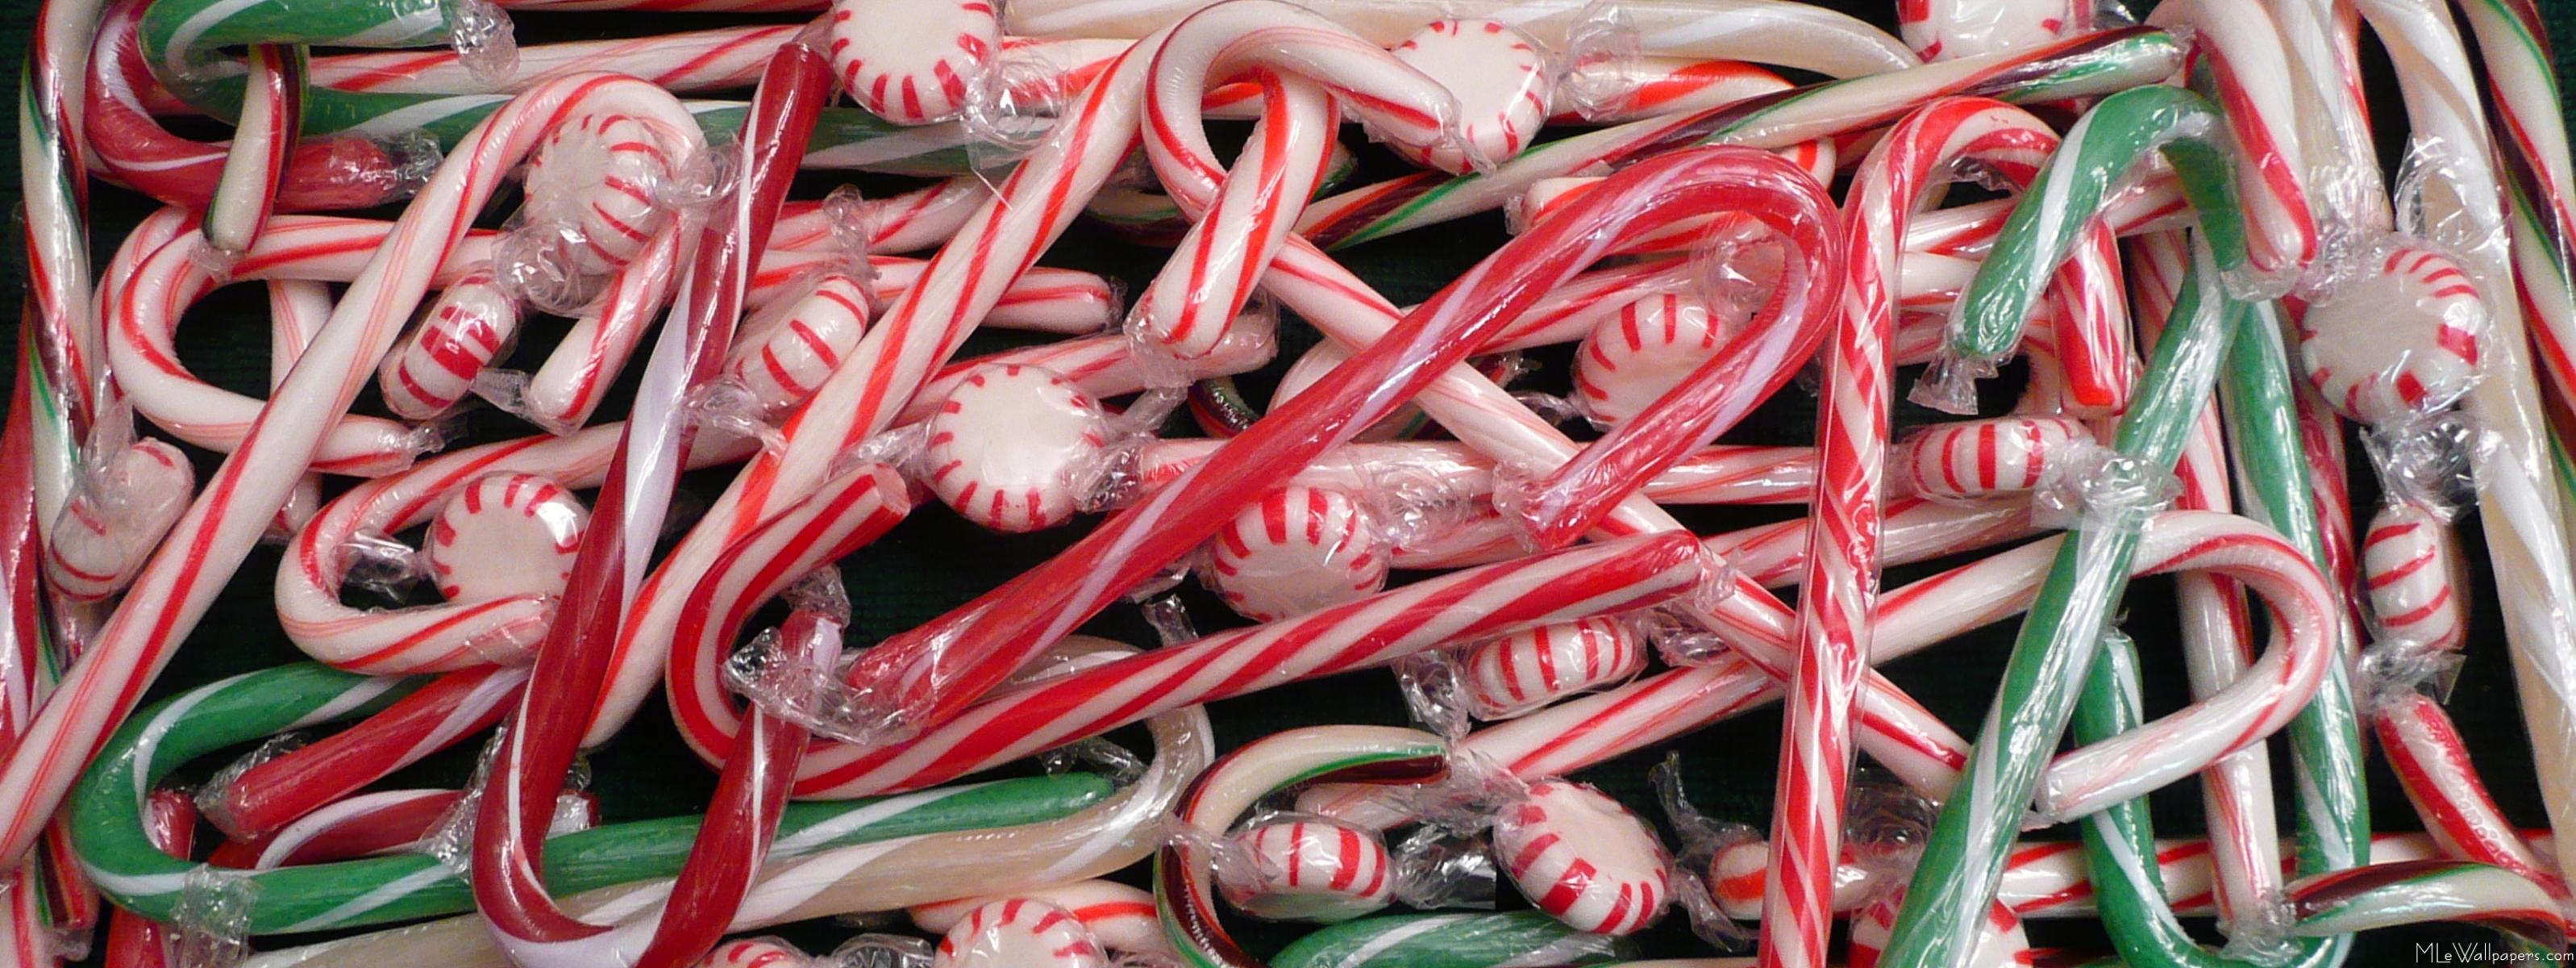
[1597, 58]
[797, 681]
[485, 43]
[118, 511]
[2394, 671]
[1012, 106]
[879, 951]
[214, 799]
[2395, 333]
[2097, 488]
[1712, 853]
[212, 918]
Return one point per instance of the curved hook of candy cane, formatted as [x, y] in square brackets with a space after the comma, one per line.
[1571, 499]
[1184, 888]
[1244, 216]
[941, 667]
[1841, 586]
[346, 171]
[260, 795]
[2249, 73]
[207, 545]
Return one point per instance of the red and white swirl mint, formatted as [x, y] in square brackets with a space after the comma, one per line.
[755, 953]
[784, 356]
[1500, 79]
[1950, 29]
[601, 175]
[503, 535]
[1976, 458]
[1638, 354]
[1534, 667]
[1309, 870]
[1581, 857]
[1297, 550]
[109, 526]
[1019, 933]
[1007, 447]
[913, 61]
[2402, 341]
[2412, 569]
[435, 364]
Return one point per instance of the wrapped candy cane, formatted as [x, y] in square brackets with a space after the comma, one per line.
[132, 940]
[258, 796]
[272, 111]
[175, 588]
[1467, 940]
[2242, 48]
[366, 825]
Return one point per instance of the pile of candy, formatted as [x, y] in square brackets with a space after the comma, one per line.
[2153, 216]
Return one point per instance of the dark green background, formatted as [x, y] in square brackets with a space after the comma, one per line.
[935, 562]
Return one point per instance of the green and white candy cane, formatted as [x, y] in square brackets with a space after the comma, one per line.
[2321, 911]
[109, 836]
[1450, 941]
[1964, 860]
[1184, 885]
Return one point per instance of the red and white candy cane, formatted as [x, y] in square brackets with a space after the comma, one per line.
[2242, 47]
[908, 222]
[1019, 933]
[207, 545]
[1535, 667]
[1478, 603]
[576, 659]
[1243, 223]
[913, 63]
[1913, 529]
[1587, 730]
[1637, 355]
[1580, 856]
[1979, 458]
[1503, 83]
[980, 644]
[1009, 447]
[1308, 870]
[1296, 550]
[1121, 917]
[114, 521]
[363, 825]
[1841, 587]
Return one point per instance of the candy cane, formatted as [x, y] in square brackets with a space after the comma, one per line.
[576, 659]
[1067, 839]
[2531, 144]
[1464, 940]
[207, 545]
[134, 941]
[979, 644]
[272, 109]
[270, 794]
[1842, 558]
[2079, 67]
[366, 825]
[110, 835]
[67, 358]
[2250, 74]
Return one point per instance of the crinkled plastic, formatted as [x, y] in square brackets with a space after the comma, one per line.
[1592, 65]
[1441, 869]
[879, 951]
[1253, 332]
[1705, 843]
[1011, 108]
[2395, 670]
[2097, 487]
[381, 565]
[212, 918]
[481, 34]
[214, 800]
[2433, 463]
[1096, 756]
[794, 681]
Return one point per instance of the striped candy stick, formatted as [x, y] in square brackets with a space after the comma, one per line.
[2539, 178]
[1478, 603]
[2433, 764]
[28, 661]
[576, 661]
[2240, 47]
[368, 824]
[67, 355]
[913, 63]
[1840, 589]
[134, 941]
[1184, 890]
[1454, 941]
[1296, 550]
[207, 544]
[1536, 667]
[1308, 870]
[1583, 858]
[1019, 933]
[979, 644]
[2079, 67]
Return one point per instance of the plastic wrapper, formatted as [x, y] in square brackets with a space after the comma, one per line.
[1013, 105]
[380, 565]
[480, 33]
[880, 951]
[1405, 941]
[118, 511]
[212, 918]
[2096, 487]
[1252, 332]
[214, 799]
[1600, 51]
[1292, 868]
[2395, 670]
